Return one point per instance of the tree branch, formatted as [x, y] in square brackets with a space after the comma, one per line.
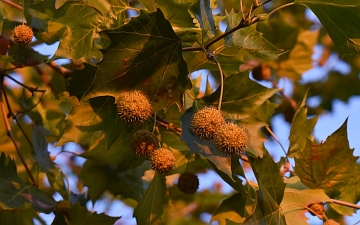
[345, 204]
[10, 134]
[13, 4]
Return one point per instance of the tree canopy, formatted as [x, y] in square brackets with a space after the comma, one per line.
[130, 104]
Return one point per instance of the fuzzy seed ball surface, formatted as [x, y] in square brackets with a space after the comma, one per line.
[331, 222]
[144, 143]
[188, 183]
[318, 209]
[162, 160]
[133, 107]
[231, 139]
[23, 35]
[206, 122]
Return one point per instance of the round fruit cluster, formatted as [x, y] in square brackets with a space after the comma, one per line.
[209, 124]
[134, 108]
[146, 144]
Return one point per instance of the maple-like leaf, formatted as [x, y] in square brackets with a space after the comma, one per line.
[301, 129]
[146, 55]
[339, 18]
[82, 37]
[17, 194]
[330, 165]
[150, 208]
[202, 11]
[20, 216]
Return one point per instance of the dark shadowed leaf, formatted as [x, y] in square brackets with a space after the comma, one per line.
[341, 20]
[42, 157]
[146, 55]
[20, 216]
[202, 11]
[90, 116]
[81, 216]
[100, 178]
[82, 80]
[301, 129]
[17, 194]
[150, 208]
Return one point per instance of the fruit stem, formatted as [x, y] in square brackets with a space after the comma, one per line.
[280, 7]
[154, 126]
[221, 84]
[277, 140]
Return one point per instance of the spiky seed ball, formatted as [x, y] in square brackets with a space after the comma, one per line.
[206, 121]
[133, 107]
[331, 222]
[188, 183]
[144, 142]
[231, 139]
[319, 210]
[162, 160]
[23, 35]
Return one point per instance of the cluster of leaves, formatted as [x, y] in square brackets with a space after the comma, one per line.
[154, 52]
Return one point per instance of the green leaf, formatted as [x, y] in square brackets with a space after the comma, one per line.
[202, 11]
[42, 157]
[82, 80]
[301, 129]
[81, 216]
[20, 216]
[25, 56]
[204, 149]
[3, 14]
[247, 43]
[236, 208]
[176, 12]
[104, 7]
[270, 194]
[146, 55]
[339, 19]
[150, 207]
[100, 178]
[90, 116]
[17, 194]
[300, 57]
[330, 165]
[241, 97]
[78, 41]
[296, 199]
[268, 176]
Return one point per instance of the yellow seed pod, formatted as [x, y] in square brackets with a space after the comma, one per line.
[162, 160]
[133, 107]
[231, 139]
[23, 35]
[205, 122]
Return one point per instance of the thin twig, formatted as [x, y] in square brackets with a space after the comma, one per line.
[12, 114]
[11, 135]
[345, 204]
[221, 83]
[31, 89]
[276, 139]
[32, 107]
[280, 7]
[62, 70]
[13, 4]
[287, 98]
